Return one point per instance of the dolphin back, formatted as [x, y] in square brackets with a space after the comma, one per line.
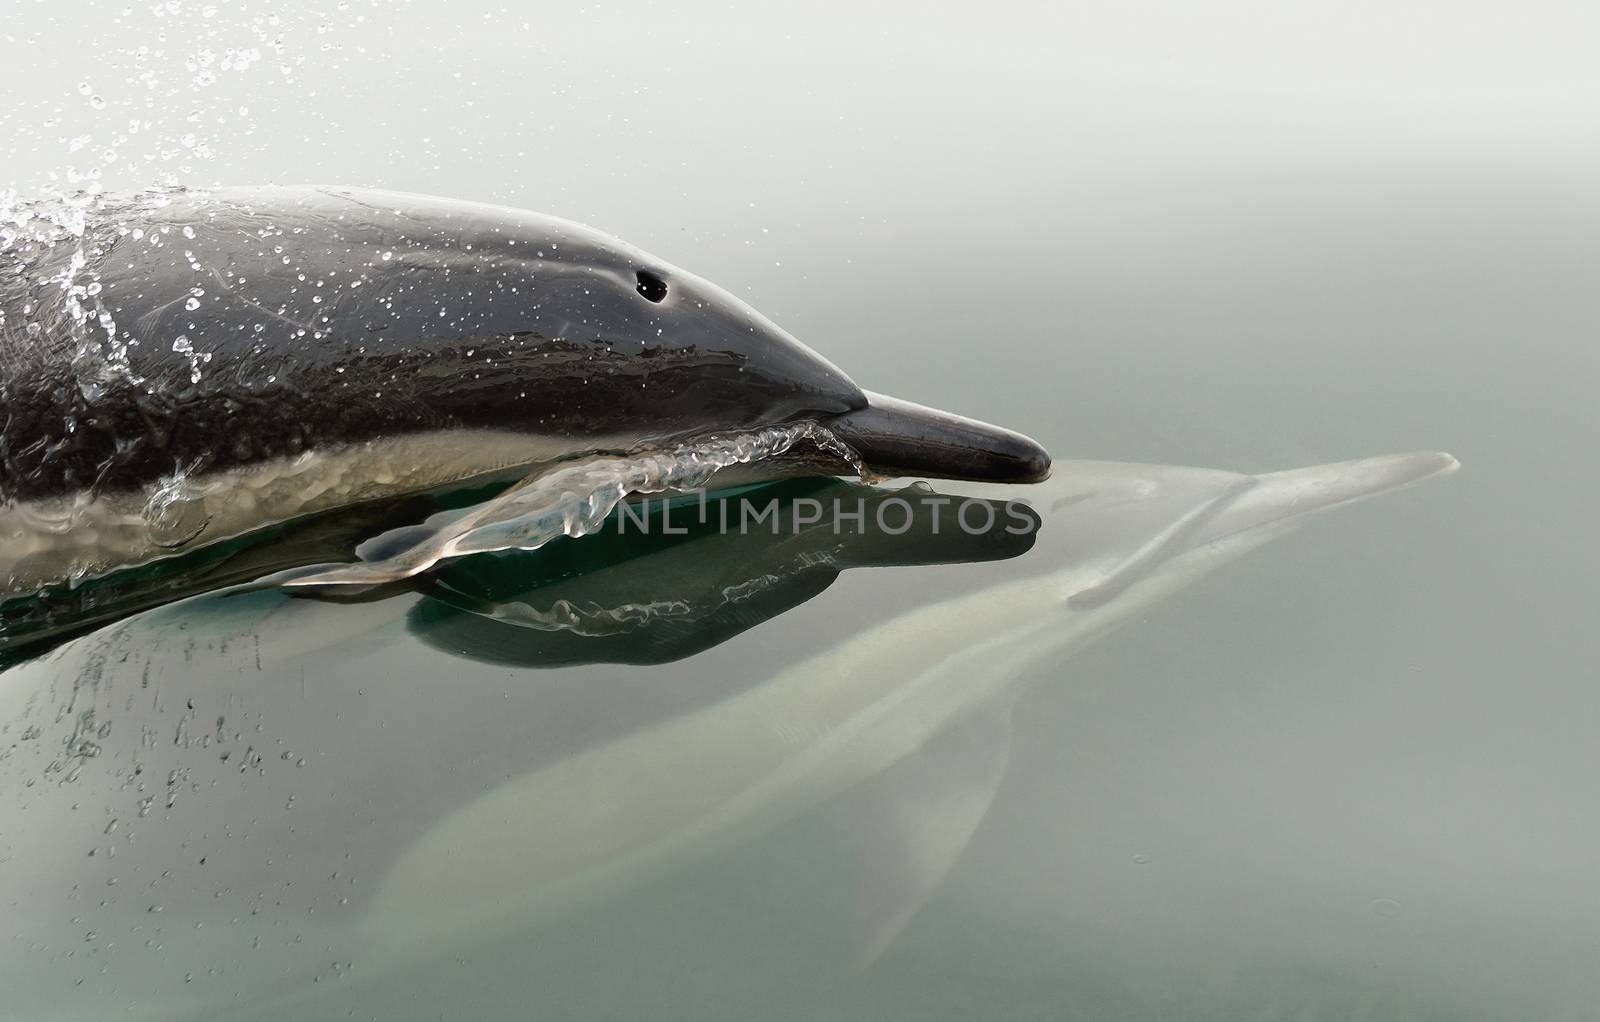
[179, 331]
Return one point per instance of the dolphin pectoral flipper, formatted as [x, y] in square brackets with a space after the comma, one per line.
[910, 824]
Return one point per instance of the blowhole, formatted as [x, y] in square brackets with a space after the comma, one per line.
[651, 285]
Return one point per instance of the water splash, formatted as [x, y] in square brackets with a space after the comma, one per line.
[573, 499]
[51, 249]
[156, 107]
[176, 512]
[43, 246]
[586, 618]
[592, 619]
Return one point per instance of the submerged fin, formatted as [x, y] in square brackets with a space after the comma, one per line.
[915, 819]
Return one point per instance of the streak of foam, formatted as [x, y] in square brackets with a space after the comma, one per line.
[574, 499]
[590, 618]
[51, 248]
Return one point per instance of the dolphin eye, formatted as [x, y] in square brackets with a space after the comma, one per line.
[651, 286]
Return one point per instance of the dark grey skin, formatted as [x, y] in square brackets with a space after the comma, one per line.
[220, 332]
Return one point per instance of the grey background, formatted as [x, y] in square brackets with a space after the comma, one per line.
[1357, 770]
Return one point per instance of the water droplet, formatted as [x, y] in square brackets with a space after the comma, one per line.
[388, 256]
[174, 515]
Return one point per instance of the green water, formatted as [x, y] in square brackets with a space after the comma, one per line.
[1347, 777]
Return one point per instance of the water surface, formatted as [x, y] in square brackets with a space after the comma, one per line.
[1346, 777]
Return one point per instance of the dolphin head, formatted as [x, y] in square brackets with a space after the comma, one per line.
[658, 344]
[684, 353]
[262, 322]
[1138, 531]
[318, 348]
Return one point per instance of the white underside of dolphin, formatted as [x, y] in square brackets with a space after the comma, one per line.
[89, 534]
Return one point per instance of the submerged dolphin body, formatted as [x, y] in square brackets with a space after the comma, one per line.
[939, 677]
[178, 368]
[432, 815]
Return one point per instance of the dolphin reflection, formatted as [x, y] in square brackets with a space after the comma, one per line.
[688, 575]
[303, 788]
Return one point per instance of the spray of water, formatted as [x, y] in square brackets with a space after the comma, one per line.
[571, 499]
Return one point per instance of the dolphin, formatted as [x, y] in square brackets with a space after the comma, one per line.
[182, 367]
[893, 701]
[253, 760]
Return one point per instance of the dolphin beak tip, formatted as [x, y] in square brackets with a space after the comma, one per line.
[1015, 458]
[1034, 466]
